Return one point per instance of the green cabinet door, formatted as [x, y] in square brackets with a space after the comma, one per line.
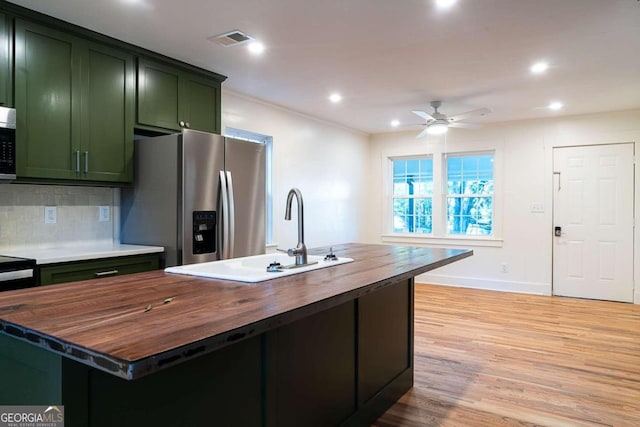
[6, 61]
[47, 74]
[76, 107]
[172, 98]
[158, 91]
[201, 103]
[51, 274]
[107, 114]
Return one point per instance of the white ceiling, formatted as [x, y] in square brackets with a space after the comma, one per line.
[388, 57]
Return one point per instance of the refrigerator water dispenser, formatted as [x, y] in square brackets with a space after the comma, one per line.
[204, 232]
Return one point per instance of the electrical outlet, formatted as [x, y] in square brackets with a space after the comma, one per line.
[105, 214]
[504, 267]
[50, 215]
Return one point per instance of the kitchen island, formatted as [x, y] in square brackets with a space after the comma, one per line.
[327, 347]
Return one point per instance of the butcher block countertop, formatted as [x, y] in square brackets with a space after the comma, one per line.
[133, 325]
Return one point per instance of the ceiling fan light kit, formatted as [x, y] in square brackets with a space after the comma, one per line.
[438, 127]
[438, 123]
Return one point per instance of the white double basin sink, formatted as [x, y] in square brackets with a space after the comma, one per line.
[253, 269]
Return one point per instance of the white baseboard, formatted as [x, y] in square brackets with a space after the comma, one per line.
[488, 284]
[636, 297]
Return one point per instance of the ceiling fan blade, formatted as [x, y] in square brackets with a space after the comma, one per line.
[464, 125]
[422, 114]
[423, 133]
[478, 112]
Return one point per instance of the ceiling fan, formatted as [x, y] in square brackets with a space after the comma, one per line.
[438, 123]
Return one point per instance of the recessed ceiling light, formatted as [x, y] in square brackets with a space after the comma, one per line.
[255, 47]
[335, 98]
[395, 123]
[556, 105]
[137, 3]
[445, 4]
[539, 67]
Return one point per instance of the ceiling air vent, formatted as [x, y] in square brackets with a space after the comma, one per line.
[231, 38]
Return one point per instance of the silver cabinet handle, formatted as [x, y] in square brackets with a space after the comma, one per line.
[181, 123]
[106, 273]
[86, 162]
[187, 125]
[77, 161]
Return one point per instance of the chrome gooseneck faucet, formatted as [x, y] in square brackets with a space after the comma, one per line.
[300, 251]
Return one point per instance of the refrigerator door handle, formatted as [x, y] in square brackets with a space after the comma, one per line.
[223, 249]
[231, 217]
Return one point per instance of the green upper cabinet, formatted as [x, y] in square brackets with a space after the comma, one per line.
[107, 114]
[6, 61]
[47, 74]
[172, 98]
[75, 102]
[201, 103]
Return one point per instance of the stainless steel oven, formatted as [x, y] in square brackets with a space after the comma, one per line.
[7, 144]
[17, 273]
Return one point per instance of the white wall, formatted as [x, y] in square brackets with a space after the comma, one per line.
[525, 149]
[326, 162]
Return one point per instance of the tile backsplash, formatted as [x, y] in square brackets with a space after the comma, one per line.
[22, 214]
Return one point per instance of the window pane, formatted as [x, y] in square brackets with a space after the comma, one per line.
[412, 215]
[470, 215]
[413, 177]
[470, 174]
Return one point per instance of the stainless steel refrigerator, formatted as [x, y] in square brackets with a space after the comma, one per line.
[200, 195]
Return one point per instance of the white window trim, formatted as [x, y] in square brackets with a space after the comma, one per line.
[439, 235]
[446, 194]
[414, 196]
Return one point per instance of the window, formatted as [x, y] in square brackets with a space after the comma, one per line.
[444, 195]
[470, 194]
[413, 195]
[268, 141]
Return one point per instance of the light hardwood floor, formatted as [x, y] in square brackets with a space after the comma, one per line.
[485, 358]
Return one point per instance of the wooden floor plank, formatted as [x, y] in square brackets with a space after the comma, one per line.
[485, 358]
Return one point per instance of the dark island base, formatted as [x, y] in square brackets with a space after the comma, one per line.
[342, 366]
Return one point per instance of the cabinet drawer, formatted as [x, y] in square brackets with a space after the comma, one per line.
[94, 269]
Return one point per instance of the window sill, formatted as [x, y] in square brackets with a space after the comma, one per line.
[464, 241]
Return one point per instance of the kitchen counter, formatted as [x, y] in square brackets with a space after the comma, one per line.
[162, 332]
[78, 251]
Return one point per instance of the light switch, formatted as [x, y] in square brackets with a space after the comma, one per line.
[50, 215]
[537, 207]
[105, 214]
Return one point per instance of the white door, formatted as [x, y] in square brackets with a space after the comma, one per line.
[593, 222]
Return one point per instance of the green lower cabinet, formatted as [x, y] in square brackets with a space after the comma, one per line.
[223, 388]
[384, 338]
[172, 98]
[30, 375]
[75, 103]
[311, 377]
[86, 270]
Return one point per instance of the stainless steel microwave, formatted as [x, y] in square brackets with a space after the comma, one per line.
[7, 144]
